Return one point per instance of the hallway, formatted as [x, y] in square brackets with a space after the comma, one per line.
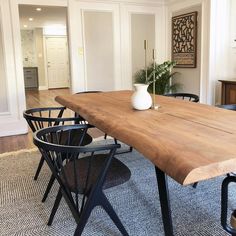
[35, 98]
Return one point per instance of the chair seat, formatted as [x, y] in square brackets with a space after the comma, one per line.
[118, 173]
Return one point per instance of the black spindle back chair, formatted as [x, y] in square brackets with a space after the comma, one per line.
[83, 174]
[185, 96]
[224, 205]
[39, 118]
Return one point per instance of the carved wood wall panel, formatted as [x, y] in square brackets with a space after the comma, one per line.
[184, 40]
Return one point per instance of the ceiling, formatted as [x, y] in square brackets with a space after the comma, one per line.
[48, 16]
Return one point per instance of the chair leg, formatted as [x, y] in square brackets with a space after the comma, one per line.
[84, 217]
[39, 168]
[98, 199]
[50, 183]
[111, 212]
[55, 207]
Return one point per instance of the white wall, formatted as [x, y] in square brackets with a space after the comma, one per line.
[217, 55]
[220, 66]
[99, 51]
[28, 48]
[142, 28]
[232, 42]
[121, 11]
[207, 87]
[189, 78]
[13, 123]
[40, 57]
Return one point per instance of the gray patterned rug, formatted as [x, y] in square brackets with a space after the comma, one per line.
[194, 211]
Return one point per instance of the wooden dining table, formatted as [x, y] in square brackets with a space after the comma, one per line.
[187, 141]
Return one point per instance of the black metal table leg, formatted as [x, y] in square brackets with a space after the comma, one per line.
[164, 202]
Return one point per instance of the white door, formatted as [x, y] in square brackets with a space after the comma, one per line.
[57, 62]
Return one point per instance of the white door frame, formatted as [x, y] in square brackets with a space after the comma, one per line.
[77, 44]
[160, 37]
[11, 122]
[45, 57]
[15, 123]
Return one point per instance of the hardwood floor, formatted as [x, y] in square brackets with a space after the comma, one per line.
[44, 98]
[35, 98]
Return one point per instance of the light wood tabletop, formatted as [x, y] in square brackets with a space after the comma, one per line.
[188, 141]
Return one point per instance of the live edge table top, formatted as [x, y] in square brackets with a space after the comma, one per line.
[188, 141]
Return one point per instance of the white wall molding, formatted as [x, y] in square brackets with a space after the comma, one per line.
[76, 50]
[13, 128]
[77, 43]
[59, 3]
[43, 88]
[219, 50]
[160, 37]
[11, 122]
[149, 3]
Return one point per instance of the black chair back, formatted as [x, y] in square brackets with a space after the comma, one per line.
[60, 155]
[185, 96]
[38, 118]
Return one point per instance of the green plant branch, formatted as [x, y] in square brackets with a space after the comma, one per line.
[163, 76]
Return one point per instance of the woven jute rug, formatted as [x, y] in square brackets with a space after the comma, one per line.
[194, 211]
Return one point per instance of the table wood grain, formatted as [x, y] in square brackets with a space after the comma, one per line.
[188, 141]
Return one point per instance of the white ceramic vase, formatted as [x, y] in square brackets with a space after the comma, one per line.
[141, 99]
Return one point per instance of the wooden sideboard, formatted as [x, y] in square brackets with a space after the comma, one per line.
[228, 92]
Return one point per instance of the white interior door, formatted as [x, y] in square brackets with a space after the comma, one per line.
[57, 62]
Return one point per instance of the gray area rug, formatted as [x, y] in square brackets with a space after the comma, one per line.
[194, 211]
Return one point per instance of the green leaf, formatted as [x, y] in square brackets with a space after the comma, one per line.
[162, 76]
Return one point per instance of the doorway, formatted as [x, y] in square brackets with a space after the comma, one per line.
[57, 62]
[44, 47]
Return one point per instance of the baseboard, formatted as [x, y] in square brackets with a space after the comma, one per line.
[13, 128]
[43, 87]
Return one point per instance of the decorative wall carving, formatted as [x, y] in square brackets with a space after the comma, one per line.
[184, 40]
